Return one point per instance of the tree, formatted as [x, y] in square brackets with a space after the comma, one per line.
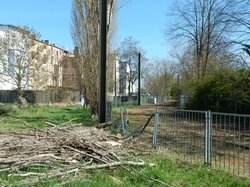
[246, 48]
[202, 24]
[161, 77]
[223, 91]
[240, 18]
[128, 55]
[22, 58]
[209, 30]
[85, 34]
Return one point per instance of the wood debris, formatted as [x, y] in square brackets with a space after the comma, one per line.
[62, 150]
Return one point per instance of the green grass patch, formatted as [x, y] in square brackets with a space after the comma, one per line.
[167, 172]
[36, 116]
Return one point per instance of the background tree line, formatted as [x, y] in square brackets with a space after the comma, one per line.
[210, 38]
[213, 64]
[210, 57]
[85, 34]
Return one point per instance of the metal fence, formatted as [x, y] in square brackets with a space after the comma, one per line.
[221, 140]
[46, 96]
[124, 101]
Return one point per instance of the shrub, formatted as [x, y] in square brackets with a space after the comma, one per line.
[223, 91]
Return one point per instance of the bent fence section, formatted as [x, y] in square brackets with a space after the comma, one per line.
[221, 140]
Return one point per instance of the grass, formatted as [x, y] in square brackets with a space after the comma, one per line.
[166, 172]
[36, 116]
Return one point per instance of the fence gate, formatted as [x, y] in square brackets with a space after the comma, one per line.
[217, 139]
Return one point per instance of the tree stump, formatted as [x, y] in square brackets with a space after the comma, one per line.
[22, 101]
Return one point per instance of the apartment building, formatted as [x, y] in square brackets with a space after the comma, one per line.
[123, 79]
[70, 78]
[35, 66]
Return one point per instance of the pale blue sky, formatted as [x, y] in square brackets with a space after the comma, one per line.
[144, 20]
[51, 18]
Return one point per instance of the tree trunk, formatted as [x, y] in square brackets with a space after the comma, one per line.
[129, 89]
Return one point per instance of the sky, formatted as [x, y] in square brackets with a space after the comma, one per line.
[144, 20]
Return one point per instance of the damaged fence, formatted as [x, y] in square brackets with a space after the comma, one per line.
[221, 140]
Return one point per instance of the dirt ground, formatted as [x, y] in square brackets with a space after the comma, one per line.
[139, 115]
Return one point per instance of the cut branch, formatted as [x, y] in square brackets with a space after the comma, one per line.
[115, 164]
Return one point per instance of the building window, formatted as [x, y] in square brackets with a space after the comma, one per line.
[73, 64]
[57, 56]
[52, 60]
[65, 65]
[44, 59]
[4, 67]
[11, 62]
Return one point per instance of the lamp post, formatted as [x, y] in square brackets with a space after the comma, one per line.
[139, 79]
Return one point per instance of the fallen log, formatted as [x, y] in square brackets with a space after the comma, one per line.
[104, 125]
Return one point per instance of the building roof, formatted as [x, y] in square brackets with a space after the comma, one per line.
[11, 26]
[41, 41]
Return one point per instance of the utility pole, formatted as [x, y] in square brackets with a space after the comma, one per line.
[102, 60]
[139, 79]
[116, 60]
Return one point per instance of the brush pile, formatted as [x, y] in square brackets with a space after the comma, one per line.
[61, 150]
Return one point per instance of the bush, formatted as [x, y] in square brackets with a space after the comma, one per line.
[223, 91]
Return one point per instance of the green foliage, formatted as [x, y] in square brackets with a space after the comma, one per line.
[175, 90]
[224, 91]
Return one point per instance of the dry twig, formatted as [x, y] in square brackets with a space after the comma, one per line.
[60, 151]
[115, 164]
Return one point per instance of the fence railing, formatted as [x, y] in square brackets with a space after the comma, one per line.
[221, 140]
[39, 96]
[123, 101]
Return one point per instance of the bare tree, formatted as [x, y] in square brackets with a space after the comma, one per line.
[161, 77]
[85, 33]
[239, 16]
[129, 50]
[22, 58]
[204, 25]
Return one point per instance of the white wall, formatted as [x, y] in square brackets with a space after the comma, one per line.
[46, 70]
[5, 85]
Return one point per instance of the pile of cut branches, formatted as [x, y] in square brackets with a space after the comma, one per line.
[61, 150]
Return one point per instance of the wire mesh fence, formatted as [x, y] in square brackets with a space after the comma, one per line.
[181, 133]
[231, 142]
[58, 95]
[218, 139]
[139, 134]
